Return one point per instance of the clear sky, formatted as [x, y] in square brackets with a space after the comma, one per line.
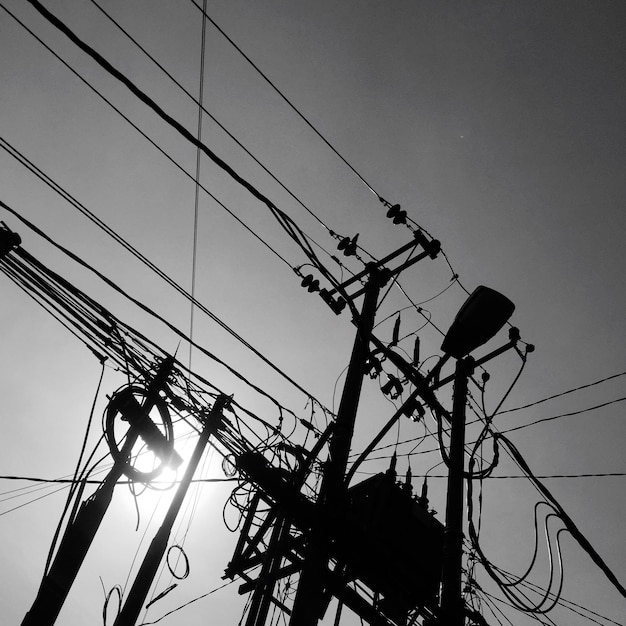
[498, 126]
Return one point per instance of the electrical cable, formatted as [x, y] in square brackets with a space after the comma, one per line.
[144, 308]
[234, 444]
[569, 604]
[75, 481]
[569, 523]
[15, 508]
[288, 225]
[202, 307]
[177, 287]
[118, 591]
[570, 414]
[280, 216]
[564, 393]
[302, 242]
[211, 116]
[204, 595]
[509, 584]
[174, 162]
[394, 280]
[287, 101]
[522, 426]
[197, 186]
[71, 481]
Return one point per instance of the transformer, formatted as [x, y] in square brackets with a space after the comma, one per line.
[393, 545]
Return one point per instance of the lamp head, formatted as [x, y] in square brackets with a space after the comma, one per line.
[484, 313]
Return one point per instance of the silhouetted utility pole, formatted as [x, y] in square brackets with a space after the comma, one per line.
[139, 591]
[262, 597]
[374, 532]
[483, 314]
[452, 605]
[81, 531]
[309, 601]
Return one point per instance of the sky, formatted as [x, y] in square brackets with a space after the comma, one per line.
[498, 126]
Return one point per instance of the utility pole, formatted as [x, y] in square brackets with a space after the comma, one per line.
[308, 603]
[452, 605]
[80, 532]
[484, 313]
[264, 589]
[143, 581]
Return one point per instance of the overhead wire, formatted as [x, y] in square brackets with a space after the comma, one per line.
[569, 414]
[289, 229]
[539, 421]
[285, 99]
[562, 514]
[136, 302]
[288, 225]
[210, 115]
[186, 604]
[296, 234]
[564, 393]
[569, 604]
[77, 472]
[549, 499]
[234, 443]
[39, 7]
[194, 252]
[72, 481]
[132, 250]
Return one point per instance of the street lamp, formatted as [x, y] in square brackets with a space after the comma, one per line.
[484, 313]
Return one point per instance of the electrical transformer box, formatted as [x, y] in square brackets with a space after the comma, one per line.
[393, 545]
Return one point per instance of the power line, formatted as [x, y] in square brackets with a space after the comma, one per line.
[514, 428]
[455, 276]
[204, 595]
[212, 117]
[583, 542]
[288, 225]
[90, 318]
[510, 476]
[194, 252]
[294, 232]
[145, 136]
[571, 413]
[74, 481]
[145, 261]
[287, 101]
[564, 393]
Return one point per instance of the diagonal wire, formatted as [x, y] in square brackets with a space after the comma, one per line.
[194, 253]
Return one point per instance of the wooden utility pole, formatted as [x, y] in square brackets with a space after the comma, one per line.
[139, 591]
[452, 605]
[308, 603]
[81, 531]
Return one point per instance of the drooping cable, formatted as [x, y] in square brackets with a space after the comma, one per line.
[568, 414]
[569, 523]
